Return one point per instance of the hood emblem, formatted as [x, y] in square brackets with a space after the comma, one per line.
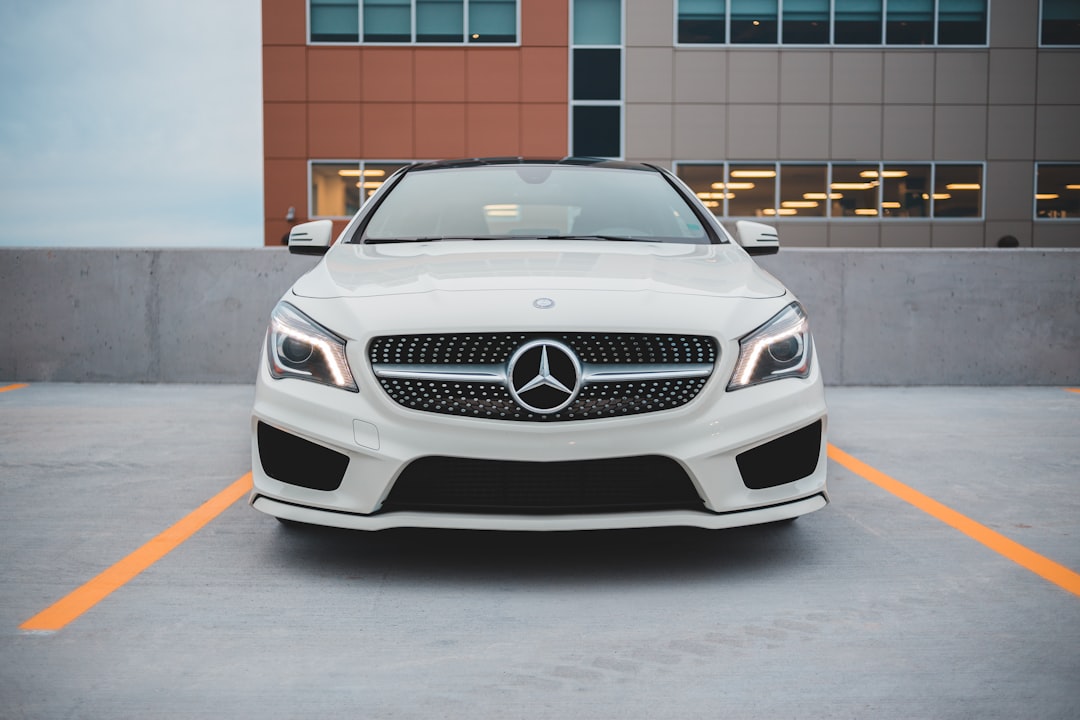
[543, 303]
[544, 376]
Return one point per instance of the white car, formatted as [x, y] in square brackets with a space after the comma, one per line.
[509, 344]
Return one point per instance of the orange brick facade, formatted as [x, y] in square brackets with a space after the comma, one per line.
[342, 102]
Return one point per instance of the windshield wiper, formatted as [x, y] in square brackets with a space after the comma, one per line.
[614, 238]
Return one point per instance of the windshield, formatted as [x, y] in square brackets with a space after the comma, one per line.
[534, 201]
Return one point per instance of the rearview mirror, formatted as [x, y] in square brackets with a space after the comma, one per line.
[311, 238]
[756, 238]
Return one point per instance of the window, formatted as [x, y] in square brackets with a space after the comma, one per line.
[904, 191]
[849, 22]
[339, 188]
[414, 21]
[597, 22]
[753, 21]
[803, 190]
[806, 22]
[1060, 22]
[596, 113]
[335, 21]
[1057, 191]
[957, 191]
[857, 22]
[702, 21]
[859, 191]
[597, 131]
[961, 22]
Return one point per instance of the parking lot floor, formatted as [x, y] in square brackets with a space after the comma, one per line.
[873, 607]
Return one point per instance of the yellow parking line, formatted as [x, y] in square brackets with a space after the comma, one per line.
[1060, 575]
[78, 601]
[16, 386]
[1075, 390]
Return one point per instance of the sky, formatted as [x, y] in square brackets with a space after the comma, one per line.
[130, 123]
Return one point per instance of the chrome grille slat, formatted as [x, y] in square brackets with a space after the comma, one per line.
[466, 374]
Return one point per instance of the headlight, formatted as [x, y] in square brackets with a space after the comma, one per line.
[781, 348]
[299, 347]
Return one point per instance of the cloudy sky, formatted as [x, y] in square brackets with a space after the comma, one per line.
[130, 123]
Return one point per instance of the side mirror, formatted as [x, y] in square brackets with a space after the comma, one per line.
[757, 239]
[311, 238]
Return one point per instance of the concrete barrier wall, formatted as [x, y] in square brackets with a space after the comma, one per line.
[880, 317]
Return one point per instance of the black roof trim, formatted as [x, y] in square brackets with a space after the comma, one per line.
[494, 161]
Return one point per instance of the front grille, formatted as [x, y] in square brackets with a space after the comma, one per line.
[445, 484]
[431, 373]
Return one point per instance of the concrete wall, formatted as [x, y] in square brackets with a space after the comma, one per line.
[880, 317]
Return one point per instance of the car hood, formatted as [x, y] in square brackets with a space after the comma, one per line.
[470, 266]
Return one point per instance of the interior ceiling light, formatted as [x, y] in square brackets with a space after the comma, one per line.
[781, 211]
[733, 186]
[891, 205]
[1047, 196]
[963, 186]
[799, 204]
[753, 173]
[866, 211]
[884, 174]
[1072, 187]
[853, 186]
[823, 196]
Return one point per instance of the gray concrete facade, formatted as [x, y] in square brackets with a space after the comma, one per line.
[880, 317]
[1008, 105]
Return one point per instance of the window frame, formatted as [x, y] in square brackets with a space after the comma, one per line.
[1035, 195]
[413, 42]
[725, 167]
[831, 43]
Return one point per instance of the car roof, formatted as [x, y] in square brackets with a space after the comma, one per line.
[496, 161]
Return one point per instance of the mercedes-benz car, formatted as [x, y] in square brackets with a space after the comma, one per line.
[513, 344]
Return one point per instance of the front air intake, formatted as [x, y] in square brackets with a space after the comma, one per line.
[784, 460]
[296, 461]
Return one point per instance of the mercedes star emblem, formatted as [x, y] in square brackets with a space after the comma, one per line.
[544, 376]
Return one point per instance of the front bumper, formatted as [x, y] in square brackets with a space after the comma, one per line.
[379, 439]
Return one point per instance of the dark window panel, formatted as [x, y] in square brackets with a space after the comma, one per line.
[1060, 22]
[597, 74]
[961, 22]
[806, 22]
[910, 22]
[857, 22]
[597, 131]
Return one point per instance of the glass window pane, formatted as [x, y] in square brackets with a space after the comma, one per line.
[753, 21]
[857, 22]
[750, 190]
[387, 21]
[597, 131]
[335, 21]
[958, 191]
[1060, 22]
[961, 22]
[440, 21]
[597, 74]
[854, 190]
[493, 21]
[597, 22]
[701, 21]
[910, 22]
[806, 22]
[803, 190]
[1057, 191]
[704, 180]
[904, 191]
[334, 189]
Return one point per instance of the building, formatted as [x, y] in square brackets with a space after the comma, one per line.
[850, 123]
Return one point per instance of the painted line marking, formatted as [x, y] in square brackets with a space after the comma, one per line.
[78, 601]
[15, 386]
[1075, 390]
[1046, 568]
